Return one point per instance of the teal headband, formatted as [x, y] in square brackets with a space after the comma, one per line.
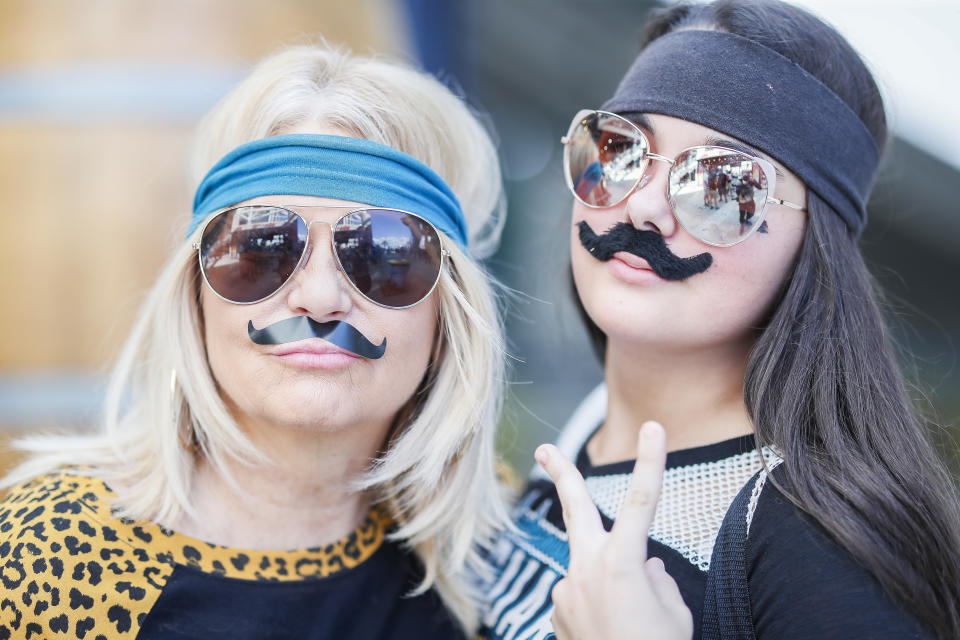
[330, 167]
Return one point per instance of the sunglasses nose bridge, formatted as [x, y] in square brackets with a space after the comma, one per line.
[313, 222]
[660, 158]
[652, 172]
[308, 250]
[649, 172]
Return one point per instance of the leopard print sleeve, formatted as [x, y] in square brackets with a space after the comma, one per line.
[68, 567]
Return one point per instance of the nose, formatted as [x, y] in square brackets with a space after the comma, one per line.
[318, 288]
[647, 207]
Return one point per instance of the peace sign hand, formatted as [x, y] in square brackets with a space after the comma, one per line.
[611, 589]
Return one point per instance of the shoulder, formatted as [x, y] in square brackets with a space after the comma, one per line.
[69, 565]
[803, 584]
[44, 511]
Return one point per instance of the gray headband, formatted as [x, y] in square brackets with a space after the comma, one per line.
[746, 90]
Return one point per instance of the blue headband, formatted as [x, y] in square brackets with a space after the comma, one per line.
[330, 167]
[746, 90]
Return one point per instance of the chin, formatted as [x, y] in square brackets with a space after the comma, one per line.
[640, 322]
[309, 417]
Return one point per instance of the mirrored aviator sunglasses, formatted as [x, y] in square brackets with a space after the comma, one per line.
[719, 195]
[392, 257]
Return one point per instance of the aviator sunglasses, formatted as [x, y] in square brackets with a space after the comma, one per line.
[719, 195]
[392, 257]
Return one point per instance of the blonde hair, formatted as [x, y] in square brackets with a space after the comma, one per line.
[437, 475]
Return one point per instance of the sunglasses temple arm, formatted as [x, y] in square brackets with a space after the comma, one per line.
[786, 204]
[660, 158]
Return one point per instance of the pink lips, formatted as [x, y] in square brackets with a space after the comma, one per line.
[632, 268]
[314, 354]
[632, 260]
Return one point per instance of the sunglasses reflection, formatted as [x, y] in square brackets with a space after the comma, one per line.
[390, 257]
[607, 158]
[717, 195]
[249, 252]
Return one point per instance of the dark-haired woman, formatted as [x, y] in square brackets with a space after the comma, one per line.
[800, 498]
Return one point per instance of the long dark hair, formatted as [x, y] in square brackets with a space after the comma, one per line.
[823, 384]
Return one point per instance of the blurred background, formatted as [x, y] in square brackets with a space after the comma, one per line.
[98, 99]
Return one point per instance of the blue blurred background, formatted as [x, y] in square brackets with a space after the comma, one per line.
[98, 99]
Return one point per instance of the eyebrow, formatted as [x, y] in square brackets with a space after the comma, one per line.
[715, 141]
[639, 119]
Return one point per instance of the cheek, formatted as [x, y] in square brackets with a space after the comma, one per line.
[600, 220]
[410, 339]
[225, 336]
[751, 278]
[414, 332]
[585, 269]
[738, 297]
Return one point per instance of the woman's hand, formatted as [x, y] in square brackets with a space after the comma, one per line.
[612, 590]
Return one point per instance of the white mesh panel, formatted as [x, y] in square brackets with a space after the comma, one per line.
[692, 503]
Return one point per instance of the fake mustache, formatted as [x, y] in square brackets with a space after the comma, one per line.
[649, 245]
[340, 333]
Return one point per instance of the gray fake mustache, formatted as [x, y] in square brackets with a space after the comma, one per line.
[337, 332]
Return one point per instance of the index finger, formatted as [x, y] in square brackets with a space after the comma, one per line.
[640, 504]
[580, 515]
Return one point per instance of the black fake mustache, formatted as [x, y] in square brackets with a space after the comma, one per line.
[340, 333]
[649, 245]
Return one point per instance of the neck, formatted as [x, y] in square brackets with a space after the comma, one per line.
[697, 395]
[305, 488]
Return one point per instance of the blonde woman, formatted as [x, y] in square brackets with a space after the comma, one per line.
[298, 435]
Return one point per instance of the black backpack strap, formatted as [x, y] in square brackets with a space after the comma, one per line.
[726, 606]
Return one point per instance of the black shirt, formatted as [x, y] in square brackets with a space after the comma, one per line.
[802, 584]
[70, 568]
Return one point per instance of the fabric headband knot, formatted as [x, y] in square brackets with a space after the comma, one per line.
[330, 167]
[746, 90]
